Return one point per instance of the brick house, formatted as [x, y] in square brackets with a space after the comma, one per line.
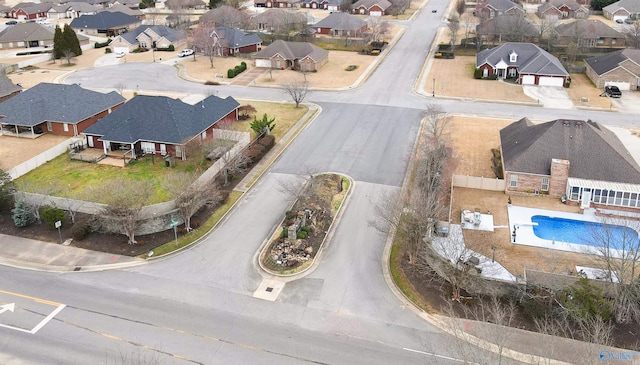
[591, 33]
[563, 9]
[620, 68]
[571, 158]
[56, 108]
[294, 55]
[507, 28]
[229, 41]
[622, 10]
[150, 37]
[341, 24]
[491, 8]
[159, 124]
[25, 11]
[371, 7]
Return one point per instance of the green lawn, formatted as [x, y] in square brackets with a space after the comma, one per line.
[74, 179]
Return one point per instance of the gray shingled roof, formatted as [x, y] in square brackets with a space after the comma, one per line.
[7, 86]
[23, 32]
[32, 8]
[531, 59]
[163, 31]
[632, 6]
[610, 61]
[55, 103]
[501, 24]
[103, 20]
[594, 152]
[161, 119]
[341, 21]
[81, 7]
[233, 37]
[588, 28]
[124, 9]
[500, 5]
[292, 50]
[368, 4]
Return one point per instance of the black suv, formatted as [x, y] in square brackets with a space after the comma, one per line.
[612, 91]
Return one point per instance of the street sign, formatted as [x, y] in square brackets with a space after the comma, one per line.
[174, 223]
[58, 224]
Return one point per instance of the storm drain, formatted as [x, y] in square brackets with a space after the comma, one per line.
[269, 289]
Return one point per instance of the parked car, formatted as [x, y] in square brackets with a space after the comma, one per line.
[185, 52]
[11, 22]
[612, 91]
[434, 10]
[629, 21]
[619, 21]
[120, 54]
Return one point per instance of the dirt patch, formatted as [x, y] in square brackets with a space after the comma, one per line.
[14, 150]
[583, 93]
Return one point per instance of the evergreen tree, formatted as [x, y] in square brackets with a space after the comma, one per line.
[58, 44]
[71, 40]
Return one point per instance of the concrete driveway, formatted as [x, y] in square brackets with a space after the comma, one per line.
[549, 96]
[628, 103]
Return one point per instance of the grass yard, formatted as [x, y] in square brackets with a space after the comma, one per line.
[80, 180]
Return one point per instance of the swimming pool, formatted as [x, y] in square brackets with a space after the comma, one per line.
[580, 232]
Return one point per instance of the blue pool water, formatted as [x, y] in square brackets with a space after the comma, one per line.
[580, 232]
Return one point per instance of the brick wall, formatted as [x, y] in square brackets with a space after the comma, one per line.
[559, 176]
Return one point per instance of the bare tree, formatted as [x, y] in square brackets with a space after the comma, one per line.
[633, 34]
[204, 43]
[619, 259]
[547, 34]
[454, 26]
[577, 40]
[68, 55]
[124, 201]
[190, 195]
[378, 29]
[398, 7]
[234, 3]
[346, 6]
[297, 91]
[225, 15]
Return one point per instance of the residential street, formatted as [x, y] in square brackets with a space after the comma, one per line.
[197, 306]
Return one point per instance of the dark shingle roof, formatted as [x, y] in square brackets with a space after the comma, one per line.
[500, 5]
[587, 28]
[26, 32]
[502, 24]
[594, 152]
[610, 61]
[124, 9]
[56, 103]
[233, 37]
[341, 21]
[161, 119]
[531, 59]
[632, 6]
[103, 20]
[293, 50]
[368, 4]
[163, 31]
[7, 86]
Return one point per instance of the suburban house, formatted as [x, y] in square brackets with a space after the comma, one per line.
[620, 68]
[71, 10]
[563, 9]
[586, 3]
[622, 10]
[341, 24]
[277, 3]
[525, 62]
[127, 10]
[370, 7]
[30, 35]
[148, 36]
[229, 41]
[7, 88]
[159, 124]
[25, 11]
[106, 23]
[185, 4]
[590, 33]
[491, 8]
[572, 158]
[131, 4]
[294, 55]
[277, 20]
[507, 28]
[331, 5]
[56, 108]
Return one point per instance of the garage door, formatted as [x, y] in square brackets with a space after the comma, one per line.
[263, 63]
[621, 85]
[375, 13]
[551, 81]
[528, 80]
[619, 17]
[120, 49]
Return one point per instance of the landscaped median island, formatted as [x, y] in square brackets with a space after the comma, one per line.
[301, 235]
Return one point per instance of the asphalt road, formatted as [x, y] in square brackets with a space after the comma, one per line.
[197, 306]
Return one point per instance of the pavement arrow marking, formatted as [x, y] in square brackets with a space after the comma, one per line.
[7, 307]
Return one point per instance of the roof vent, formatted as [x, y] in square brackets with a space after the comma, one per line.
[566, 123]
[579, 123]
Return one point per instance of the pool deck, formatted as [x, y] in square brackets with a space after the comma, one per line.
[520, 218]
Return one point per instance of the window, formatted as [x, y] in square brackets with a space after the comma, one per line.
[513, 57]
[513, 181]
[65, 126]
[49, 127]
[148, 147]
[163, 149]
[203, 135]
[512, 72]
[545, 184]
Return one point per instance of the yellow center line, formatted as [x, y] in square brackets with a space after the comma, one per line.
[37, 300]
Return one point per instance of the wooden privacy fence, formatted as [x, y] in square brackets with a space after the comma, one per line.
[477, 182]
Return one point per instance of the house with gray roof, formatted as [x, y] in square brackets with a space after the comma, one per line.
[149, 37]
[575, 158]
[370, 7]
[229, 41]
[56, 108]
[591, 33]
[127, 10]
[341, 24]
[30, 35]
[277, 3]
[622, 10]
[294, 55]
[563, 9]
[507, 28]
[71, 10]
[278, 20]
[159, 124]
[526, 63]
[25, 11]
[331, 5]
[491, 8]
[105, 23]
[620, 68]
[8, 88]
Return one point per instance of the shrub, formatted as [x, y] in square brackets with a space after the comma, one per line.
[102, 44]
[267, 141]
[212, 83]
[52, 214]
[302, 235]
[237, 70]
[497, 163]
[243, 65]
[22, 214]
[231, 73]
[305, 229]
[477, 73]
[80, 229]
[107, 50]
[289, 214]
